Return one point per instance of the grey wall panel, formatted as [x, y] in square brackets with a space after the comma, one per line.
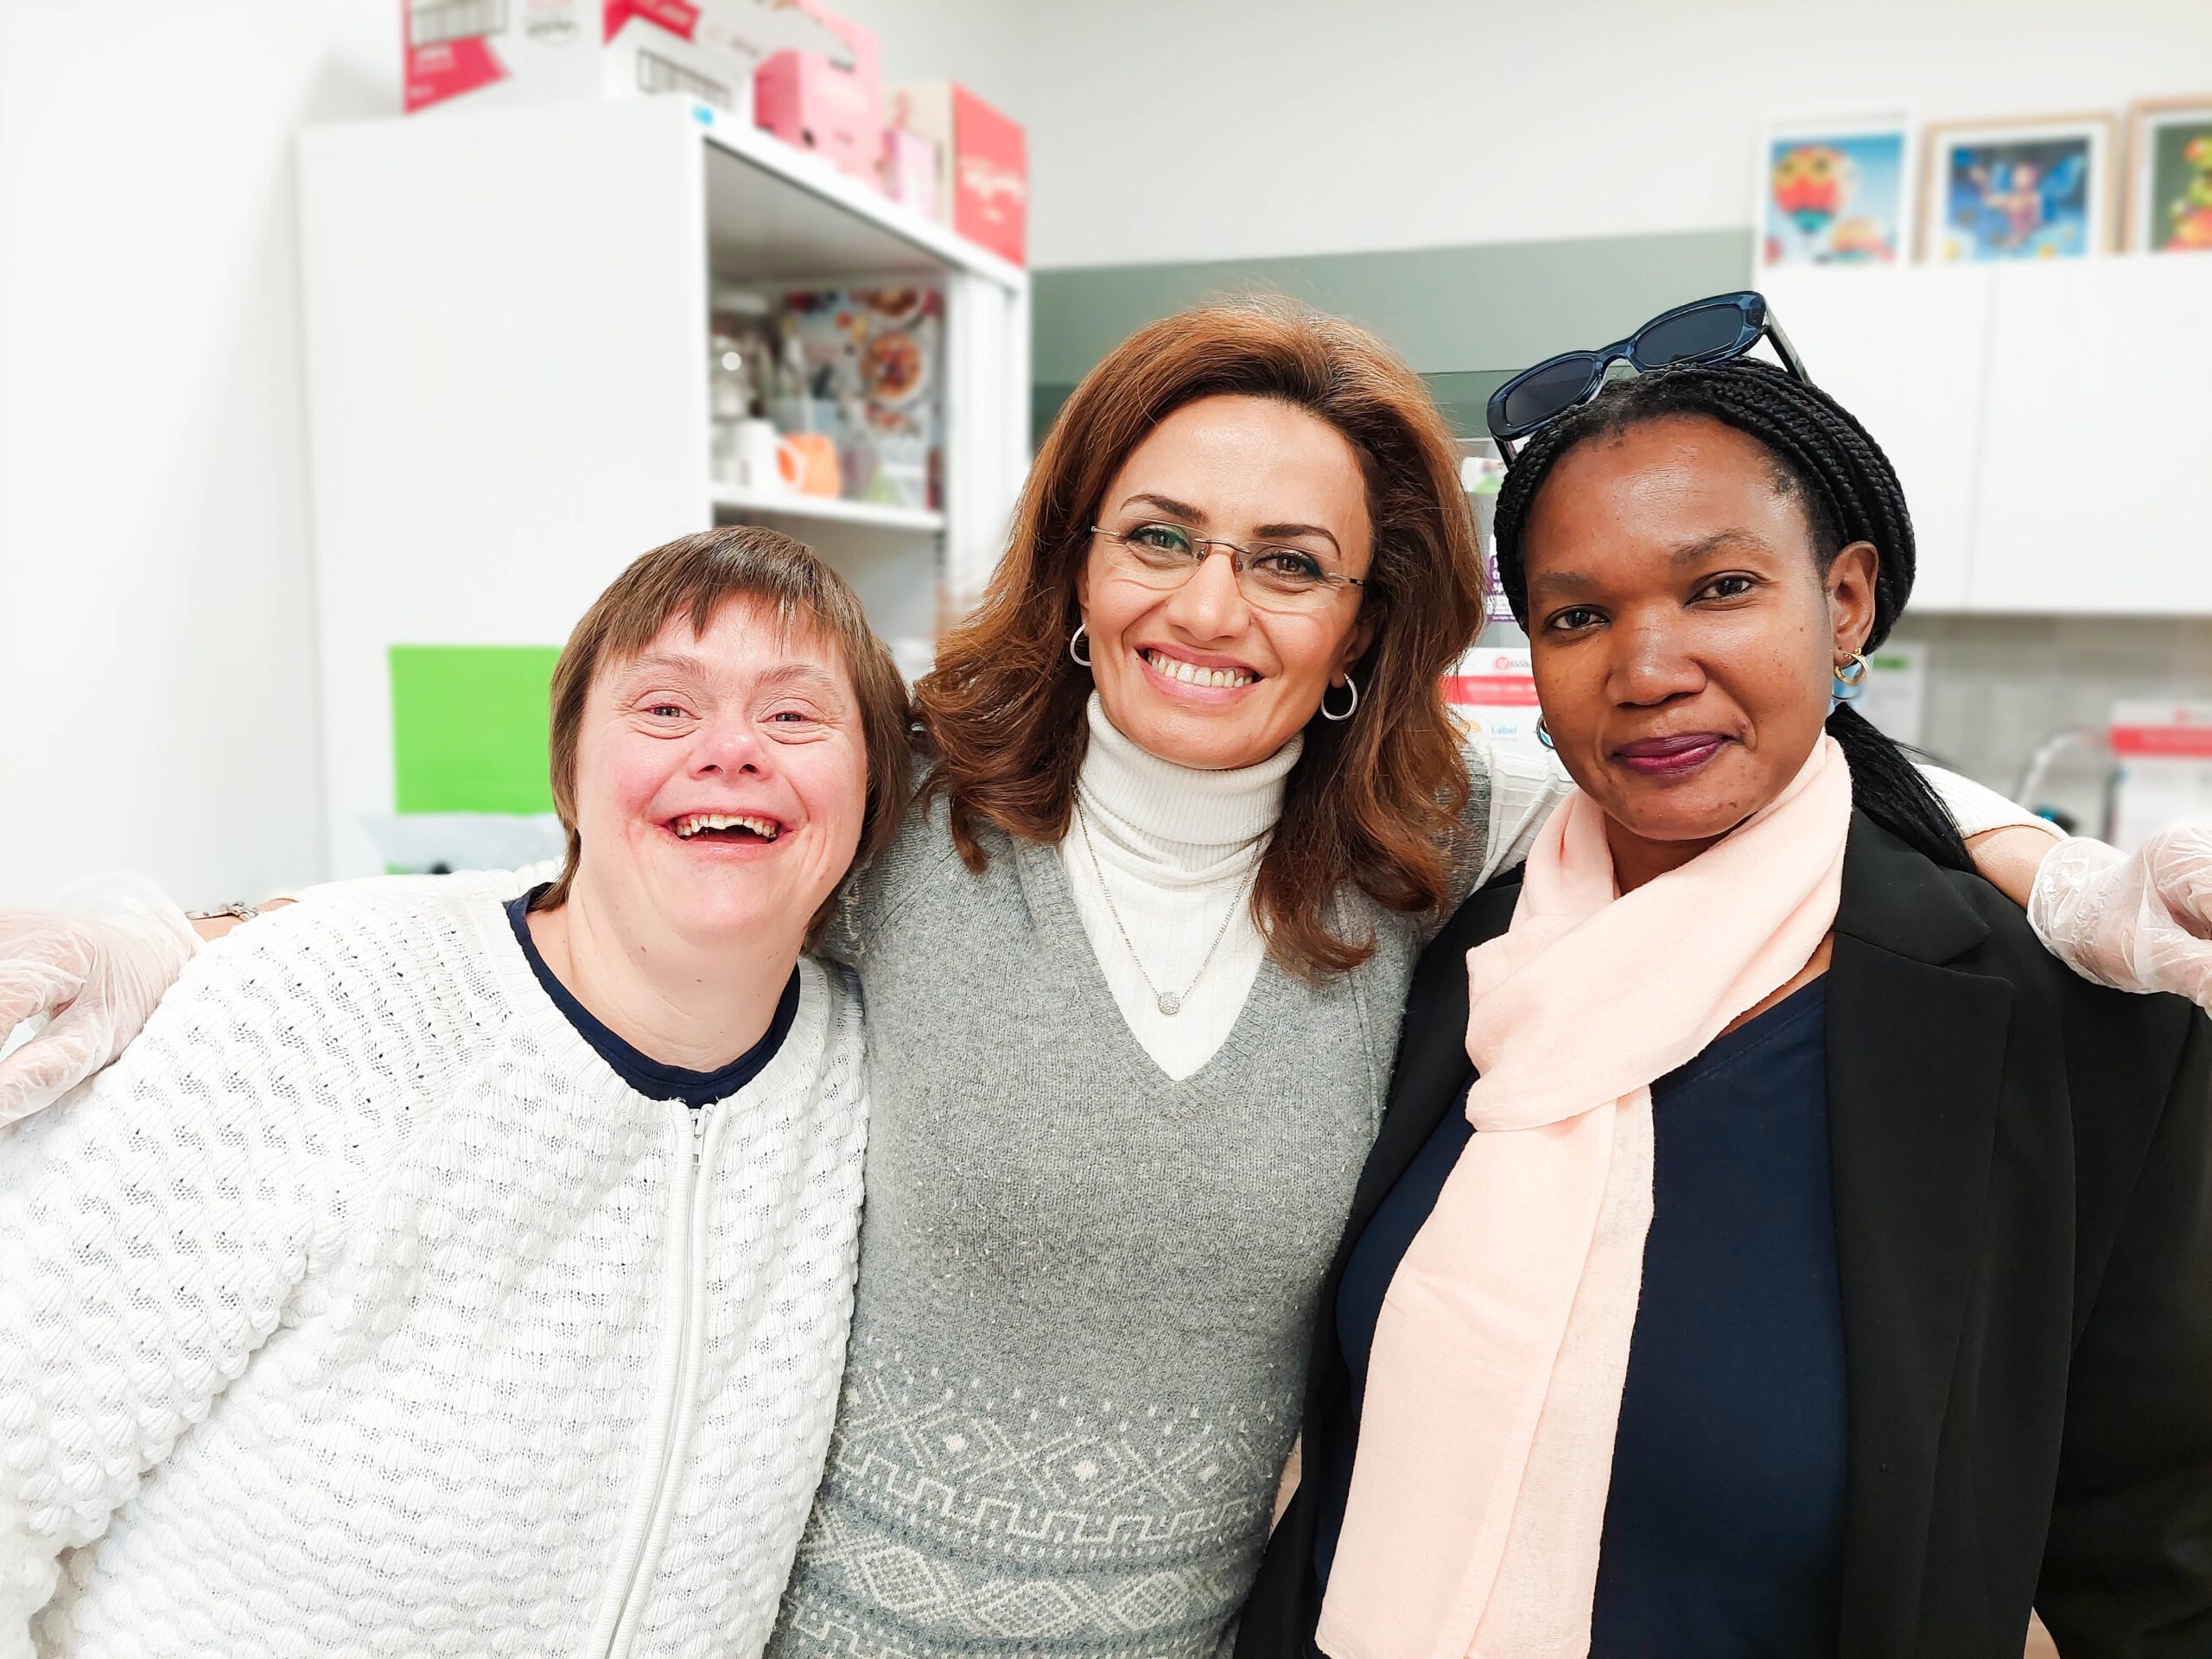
[1489, 308]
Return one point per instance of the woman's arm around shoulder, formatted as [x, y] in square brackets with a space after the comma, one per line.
[97, 972]
[153, 1224]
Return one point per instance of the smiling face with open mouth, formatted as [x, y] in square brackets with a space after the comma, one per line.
[721, 779]
[1195, 673]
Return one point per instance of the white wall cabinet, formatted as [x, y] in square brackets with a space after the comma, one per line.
[2051, 423]
[1852, 334]
[2096, 490]
[506, 326]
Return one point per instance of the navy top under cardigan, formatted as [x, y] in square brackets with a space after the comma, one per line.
[1724, 1526]
[648, 1075]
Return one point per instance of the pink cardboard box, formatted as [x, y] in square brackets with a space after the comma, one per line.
[497, 53]
[982, 162]
[823, 102]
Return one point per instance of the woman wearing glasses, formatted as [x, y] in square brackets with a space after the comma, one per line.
[1803, 1263]
[1134, 969]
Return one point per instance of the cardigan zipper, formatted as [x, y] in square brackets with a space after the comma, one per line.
[687, 1261]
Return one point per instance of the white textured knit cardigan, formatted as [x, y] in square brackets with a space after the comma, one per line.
[361, 1308]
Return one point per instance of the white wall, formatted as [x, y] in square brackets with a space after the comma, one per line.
[157, 686]
[1169, 131]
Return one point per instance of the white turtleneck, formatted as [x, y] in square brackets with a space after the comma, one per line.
[1177, 847]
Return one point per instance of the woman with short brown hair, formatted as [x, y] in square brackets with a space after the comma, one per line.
[452, 1269]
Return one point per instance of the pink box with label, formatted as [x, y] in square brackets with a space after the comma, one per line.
[908, 166]
[817, 102]
[484, 54]
[982, 166]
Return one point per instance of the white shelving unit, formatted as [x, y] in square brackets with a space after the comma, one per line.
[507, 323]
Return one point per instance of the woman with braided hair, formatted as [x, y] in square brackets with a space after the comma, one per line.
[1769, 1250]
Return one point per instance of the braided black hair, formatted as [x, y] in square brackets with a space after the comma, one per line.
[1848, 492]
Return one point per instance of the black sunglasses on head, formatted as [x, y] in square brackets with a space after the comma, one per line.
[1704, 331]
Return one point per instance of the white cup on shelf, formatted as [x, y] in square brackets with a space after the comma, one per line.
[765, 461]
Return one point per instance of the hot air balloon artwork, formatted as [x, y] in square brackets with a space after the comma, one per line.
[1833, 194]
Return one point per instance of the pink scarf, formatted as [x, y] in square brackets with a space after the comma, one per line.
[1494, 1386]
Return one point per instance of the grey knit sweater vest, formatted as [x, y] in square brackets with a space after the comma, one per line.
[1086, 1291]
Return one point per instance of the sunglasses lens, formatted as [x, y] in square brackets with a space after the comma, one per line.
[1549, 389]
[1706, 332]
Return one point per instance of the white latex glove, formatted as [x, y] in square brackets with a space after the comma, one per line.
[2138, 922]
[94, 972]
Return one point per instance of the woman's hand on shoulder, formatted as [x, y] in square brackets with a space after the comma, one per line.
[2138, 921]
[95, 973]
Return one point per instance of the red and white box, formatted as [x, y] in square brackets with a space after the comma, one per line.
[907, 171]
[1492, 691]
[982, 162]
[481, 55]
[2165, 753]
[826, 101]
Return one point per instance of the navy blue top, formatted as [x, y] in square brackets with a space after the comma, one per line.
[1724, 1527]
[641, 1071]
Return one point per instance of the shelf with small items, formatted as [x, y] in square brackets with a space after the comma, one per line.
[514, 321]
[741, 506]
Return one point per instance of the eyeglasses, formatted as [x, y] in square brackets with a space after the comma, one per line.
[1704, 331]
[1271, 577]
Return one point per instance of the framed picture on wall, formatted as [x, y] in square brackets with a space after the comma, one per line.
[2019, 189]
[1836, 192]
[2169, 175]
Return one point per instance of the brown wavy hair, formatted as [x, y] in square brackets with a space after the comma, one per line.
[1373, 800]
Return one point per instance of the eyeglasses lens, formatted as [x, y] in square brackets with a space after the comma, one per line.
[1553, 387]
[1707, 332]
[1273, 579]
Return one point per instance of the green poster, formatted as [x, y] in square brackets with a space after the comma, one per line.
[2181, 186]
[468, 728]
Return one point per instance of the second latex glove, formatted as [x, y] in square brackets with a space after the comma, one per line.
[2139, 921]
[95, 972]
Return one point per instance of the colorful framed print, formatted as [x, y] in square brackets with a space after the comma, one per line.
[2169, 175]
[1835, 193]
[2032, 189]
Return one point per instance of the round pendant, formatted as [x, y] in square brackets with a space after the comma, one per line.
[1169, 1003]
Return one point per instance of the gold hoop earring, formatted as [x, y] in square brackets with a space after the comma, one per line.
[1848, 679]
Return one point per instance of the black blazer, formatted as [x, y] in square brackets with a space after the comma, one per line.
[2023, 1169]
